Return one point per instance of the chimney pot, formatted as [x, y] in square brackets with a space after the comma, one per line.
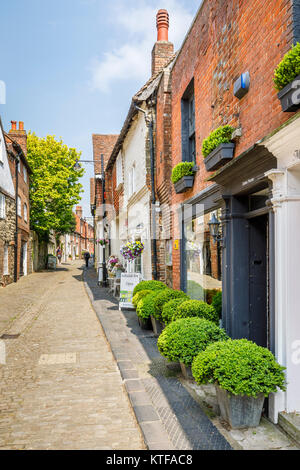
[13, 125]
[21, 126]
[162, 23]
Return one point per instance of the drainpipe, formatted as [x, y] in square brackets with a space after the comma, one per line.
[149, 123]
[17, 161]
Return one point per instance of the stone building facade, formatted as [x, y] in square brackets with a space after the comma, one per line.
[7, 216]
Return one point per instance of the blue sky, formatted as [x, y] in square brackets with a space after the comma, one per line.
[71, 66]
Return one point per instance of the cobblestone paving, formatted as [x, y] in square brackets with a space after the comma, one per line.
[170, 418]
[60, 387]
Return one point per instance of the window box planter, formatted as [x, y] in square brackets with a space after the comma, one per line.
[219, 157]
[156, 326]
[145, 324]
[240, 411]
[289, 96]
[184, 184]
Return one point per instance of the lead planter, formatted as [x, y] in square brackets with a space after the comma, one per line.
[184, 184]
[156, 326]
[145, 324]
[240, 411]
[219, 157]
[289, 96]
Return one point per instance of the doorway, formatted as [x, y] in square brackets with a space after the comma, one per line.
[258, 280]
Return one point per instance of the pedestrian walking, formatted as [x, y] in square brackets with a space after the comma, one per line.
[87, 257]
[59, 255]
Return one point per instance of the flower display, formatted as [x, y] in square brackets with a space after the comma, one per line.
[102, 241]
[132, 250]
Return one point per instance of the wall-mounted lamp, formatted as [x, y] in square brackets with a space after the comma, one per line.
[214, 228]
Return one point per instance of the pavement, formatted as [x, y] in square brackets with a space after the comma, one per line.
[168, 415]
[60, 387]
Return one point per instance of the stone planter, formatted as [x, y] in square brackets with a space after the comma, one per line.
[219, 157]
[289, 96]
[145, 324]
[240, 411]
[156, 326]
[184, 184]
[186, 371]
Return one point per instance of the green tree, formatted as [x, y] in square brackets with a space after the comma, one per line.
[54, 186]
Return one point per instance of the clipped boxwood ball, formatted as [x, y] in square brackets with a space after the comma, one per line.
[165, 296]
[148, 285]
[139, 295]
[145, 307]
[196, 308]
[217, 303]
[183, 339]
[239, 366]
[170, 308]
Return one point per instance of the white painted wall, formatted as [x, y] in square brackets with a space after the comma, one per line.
[6, 181]
[286, 203]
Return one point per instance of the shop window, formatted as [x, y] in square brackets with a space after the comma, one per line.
[169, 252]
[119, 170]
[188, 124]
[203, 260]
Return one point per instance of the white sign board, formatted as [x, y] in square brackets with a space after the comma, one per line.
[128, 283]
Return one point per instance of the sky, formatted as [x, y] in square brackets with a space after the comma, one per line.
[71, 67]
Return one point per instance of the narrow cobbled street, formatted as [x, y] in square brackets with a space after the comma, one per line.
[60, 387]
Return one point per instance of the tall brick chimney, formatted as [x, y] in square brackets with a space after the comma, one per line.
[79, 211]
[19, 135]
[163, 49]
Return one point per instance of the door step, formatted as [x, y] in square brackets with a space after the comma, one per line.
[290, 423]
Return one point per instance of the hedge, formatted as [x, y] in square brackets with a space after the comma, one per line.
[239, 366]
[217, 303]
[183, 339]
[196, 308]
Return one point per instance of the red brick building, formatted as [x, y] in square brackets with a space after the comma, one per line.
[253, 196]
[16, 141]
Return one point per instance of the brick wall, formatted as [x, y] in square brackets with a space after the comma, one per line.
[227, 39]
[7, 234]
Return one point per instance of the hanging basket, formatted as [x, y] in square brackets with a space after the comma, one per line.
[133, 250]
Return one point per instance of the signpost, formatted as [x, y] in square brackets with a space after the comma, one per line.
[128, 283]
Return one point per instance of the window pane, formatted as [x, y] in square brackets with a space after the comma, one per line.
[204, 260]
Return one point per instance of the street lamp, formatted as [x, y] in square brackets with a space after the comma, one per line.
[214, 228]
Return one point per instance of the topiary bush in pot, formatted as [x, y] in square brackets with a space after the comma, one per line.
[217, 303]
[139, 296]
[145, 307]
[163, 297]
[244, 374]
[148, 285]
[170, 308]
[183, 339]
[196, 308]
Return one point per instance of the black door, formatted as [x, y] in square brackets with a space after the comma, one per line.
[258, 280]
[22, 260]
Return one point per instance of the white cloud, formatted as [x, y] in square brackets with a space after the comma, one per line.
[132, 60]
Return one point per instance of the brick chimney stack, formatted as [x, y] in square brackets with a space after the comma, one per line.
[79, 211]
[163, 49]
[19, 135]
